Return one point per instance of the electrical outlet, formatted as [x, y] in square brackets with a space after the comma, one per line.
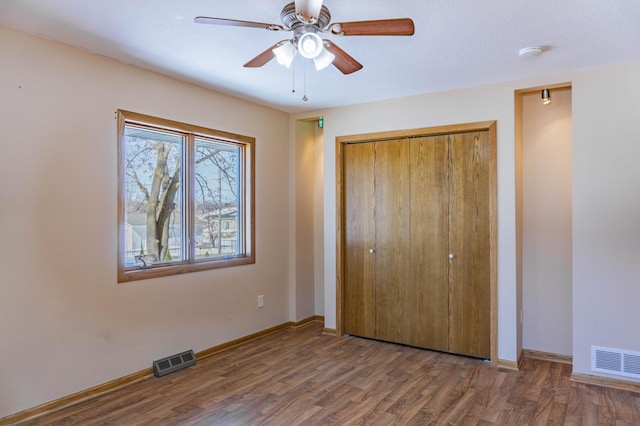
[260, 301]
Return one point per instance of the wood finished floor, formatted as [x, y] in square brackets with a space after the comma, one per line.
[299, 376]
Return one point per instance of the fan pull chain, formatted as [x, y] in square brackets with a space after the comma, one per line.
[304, 97]
[293, 77]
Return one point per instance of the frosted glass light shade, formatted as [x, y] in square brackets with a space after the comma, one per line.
[285, 54]
[310, 45]
[323, 60]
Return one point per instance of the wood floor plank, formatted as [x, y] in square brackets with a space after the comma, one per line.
[302, 377]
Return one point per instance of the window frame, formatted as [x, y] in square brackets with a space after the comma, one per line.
[247, 198]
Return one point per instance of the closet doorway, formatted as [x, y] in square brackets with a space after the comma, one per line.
[417, 238]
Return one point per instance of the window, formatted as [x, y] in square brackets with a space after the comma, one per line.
[185, 198]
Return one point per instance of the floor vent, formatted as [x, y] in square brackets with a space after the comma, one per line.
[615, 361]
[173, 363]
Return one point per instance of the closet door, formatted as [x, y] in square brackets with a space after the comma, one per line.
[428, 284]
[359, 237]
[392, 243]
[469, 269]
[416, 247]
[377, 240]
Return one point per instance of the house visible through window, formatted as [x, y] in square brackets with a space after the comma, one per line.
[185, 198]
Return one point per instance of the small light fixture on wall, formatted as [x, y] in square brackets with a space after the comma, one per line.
[546, 97]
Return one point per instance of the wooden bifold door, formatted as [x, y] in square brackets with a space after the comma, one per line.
[416, 241]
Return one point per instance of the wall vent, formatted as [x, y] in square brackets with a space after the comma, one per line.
[173, 363]
[615, 361]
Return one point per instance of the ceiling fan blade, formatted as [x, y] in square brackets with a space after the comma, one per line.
[382, 27]
[343, 61]
[262, 58]
[237, 23]
[309, 9]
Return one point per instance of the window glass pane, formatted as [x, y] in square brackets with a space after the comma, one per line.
[218, 210]
[153, 197]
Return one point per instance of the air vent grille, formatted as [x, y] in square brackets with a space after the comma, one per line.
[632, 364]
[615, 361]
[173, 363]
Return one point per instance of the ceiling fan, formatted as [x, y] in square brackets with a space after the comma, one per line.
[307, 19]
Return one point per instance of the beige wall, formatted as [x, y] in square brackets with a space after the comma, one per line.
[318, 229]
[303, 248]
[606, 205]
[606, 211]
[547, 254]
[470, 105]
[65, 323]
[306, 229]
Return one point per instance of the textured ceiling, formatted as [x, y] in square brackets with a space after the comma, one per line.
[457, 43]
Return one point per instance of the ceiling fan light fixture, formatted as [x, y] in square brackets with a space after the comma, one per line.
[323, 60]
[285, 54]
[308, 20]
[310, 45]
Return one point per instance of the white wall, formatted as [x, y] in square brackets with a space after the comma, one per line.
[547, 243]
[606, 205]
[65, 323]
